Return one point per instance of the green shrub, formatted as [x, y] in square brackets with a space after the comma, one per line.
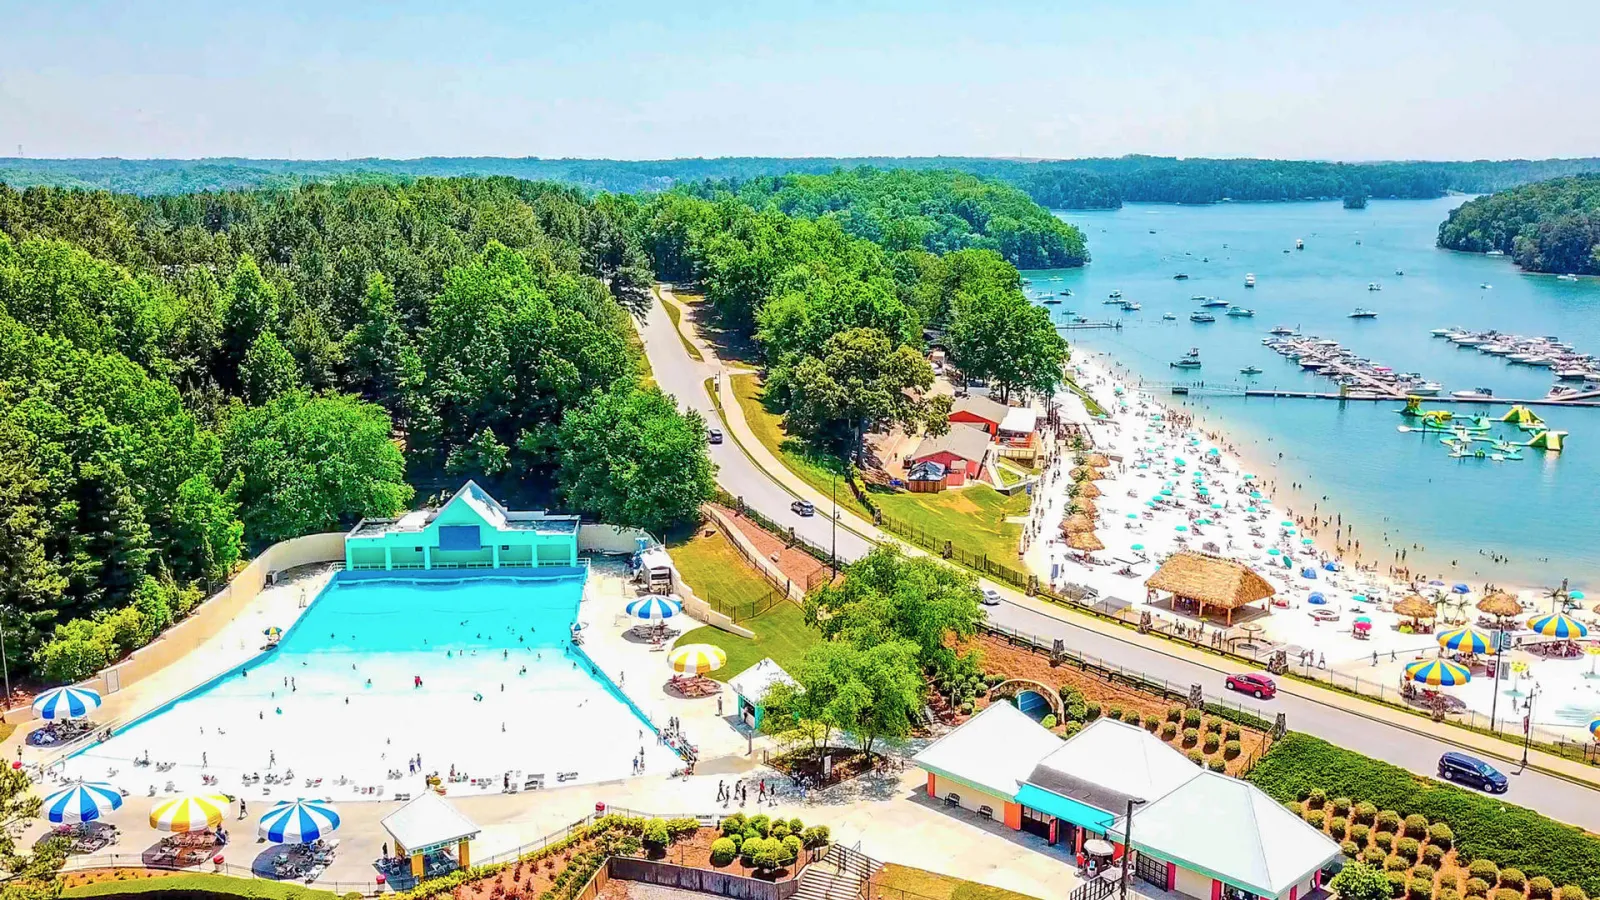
[1115, 712]
[791, 849]
[1433, 854]
[1151, 724]
[1388, 820]
[1513, 879]
[655, 835]
[1396, 864]
[1132, 718]
[1506, 894]
[815, 836]
[761, 824]
[1196, 757]
[780, 829]
[734, 824]
[1297, 808]
[1374, 856]
[1191, 718]
[1477, 887]
[1416, 826]
[1212, 742]
[1169, 731]
[202, 884]
[1233, 733]
[1485, 869]
[1094, 711]
[1232, 749]
[1397, 883]
[1217, 764]
[796, 826]
[1316, 798]
[1449, 894]
[1408, 847]
[1358, 833]
[1072, 728]
[738, 840]
[1341, 805]
[1450, 880]
[1360, 881]
[1191, 736]
[1214, 726]
[1483, 827]
[1541, 888]
[681, 827]
[1175, 714]
[1419, 888]
[1337, 828]
[723, 851]
[1316, 818]
[1571, 892]
[1049, 722]
[1349, 849]
[1384, 839]
[1365, 812]
[1422, 870]
[1440, 835]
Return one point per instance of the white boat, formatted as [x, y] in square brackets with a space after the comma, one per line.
[1485, 286]
[1130, 306]
[1169, 317]
[1572, 374]
[1299, 244]
[1425, 389]
[1281, 330]
[1474, 394]
[1495, 253]
[1202, 317]
[1239, 312]
[1116, 295]
[1313, 364]
[1362, 313]
[1250, 279]
[1214, 302]
[1444, 332]
[1496, 349]
[1374, 286]
[1567, 277]
[1542, 362]
[1469, 340]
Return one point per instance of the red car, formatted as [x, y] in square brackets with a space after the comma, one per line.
[1249, 683]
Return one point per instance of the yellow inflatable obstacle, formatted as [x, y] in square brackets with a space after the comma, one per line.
[1524, 418]
[1547, 440]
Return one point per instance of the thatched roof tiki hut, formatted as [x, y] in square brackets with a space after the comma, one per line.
[1414, 607]
[1210, 581]
[1084, 541]
[1500, 605]
[1076, 524]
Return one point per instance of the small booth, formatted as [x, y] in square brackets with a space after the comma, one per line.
[752, 685]
[429, 825]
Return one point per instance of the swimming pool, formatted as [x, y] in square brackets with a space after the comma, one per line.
[475, 672]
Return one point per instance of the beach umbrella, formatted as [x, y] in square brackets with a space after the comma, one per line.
[1216, 506]
[1575, 595]
[1213, 452]
[1286, 524]
[1438, 672]
[1203, 522]
[1307, 541]
[1461, 589]
[1363, 620]
[654, 608]
[1414, 607]
[1558, 625]
[1359, 598]
[1181, 528]
[1274, 551]
[1466, 640]
[1363, 625]
[1166, 492]
[298, 822]
[66, 703]
[697, 659]
[1137, 547]
[1202, 492]
[1316, 598]
[1255, 495]
[82, 802]
[1178, 461]
[1436, 583]
[1085, 541]
[272, 632]
[1249, 509]
[1289, 531]
[1594, 729]
[191, 812]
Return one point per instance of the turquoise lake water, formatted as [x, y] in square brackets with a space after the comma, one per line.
[1539, 512]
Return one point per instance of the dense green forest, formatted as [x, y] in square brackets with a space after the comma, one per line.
[186, 378]
[1550, 226]
[937, 211]
[1076, 183]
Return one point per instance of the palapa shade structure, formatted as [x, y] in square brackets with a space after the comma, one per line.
[1210, 581]
[1076, 524]
[1500, 604]
[1413, 606]
[1097, 459]
[1084, 506]
[1086, 489]
[1085, 541]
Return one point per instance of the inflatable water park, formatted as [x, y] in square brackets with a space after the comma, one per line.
[1474, 437]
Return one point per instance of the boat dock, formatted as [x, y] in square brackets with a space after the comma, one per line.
[1075, 326]
[1575, 373]
[1354, 374]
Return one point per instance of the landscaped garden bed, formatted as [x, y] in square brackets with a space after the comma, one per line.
[1470, 845]
[184, 885]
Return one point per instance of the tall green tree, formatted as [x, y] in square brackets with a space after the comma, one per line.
[887, 596]
[29, 875]
[269, 371]
[301, 465]
[207, 536]
[629, 457]
[862, 382]
[999, 336]
[253, 307]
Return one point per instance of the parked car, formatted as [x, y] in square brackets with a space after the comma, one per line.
[714, 435]
[1251, 683]
[991, 597]
[1469, 770]
[803, 508]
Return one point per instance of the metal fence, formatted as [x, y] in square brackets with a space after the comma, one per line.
[783, 532]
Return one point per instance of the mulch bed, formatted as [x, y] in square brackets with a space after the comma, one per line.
[847, 764]
[94, 876]
[797, 565]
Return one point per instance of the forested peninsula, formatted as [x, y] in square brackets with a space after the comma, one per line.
[187, 378]
[1549, 226]
[1074, 183]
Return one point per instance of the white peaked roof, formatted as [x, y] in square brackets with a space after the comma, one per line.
[993, 751]
[488, 508]
[426, 822]
[1019, 420]
[1229, 829]
[752, 683]
[1116, 759]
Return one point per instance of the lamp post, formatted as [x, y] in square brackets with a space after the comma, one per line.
[1527, 726]
[1127, 847]
[833, 554]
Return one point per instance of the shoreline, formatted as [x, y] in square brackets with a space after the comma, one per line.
[1298, 502]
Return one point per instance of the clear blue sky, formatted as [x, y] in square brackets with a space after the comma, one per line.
[1437, 79]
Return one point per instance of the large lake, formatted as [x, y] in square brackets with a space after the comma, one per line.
[1541, 512]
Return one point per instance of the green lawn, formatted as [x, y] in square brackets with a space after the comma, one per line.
[920, 884]
[716, 570]
[674, 312]
[1089, 403]
[781, 633]
[815, 469]
[647, 376]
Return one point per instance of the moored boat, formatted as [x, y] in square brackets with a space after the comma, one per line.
[1202, 317]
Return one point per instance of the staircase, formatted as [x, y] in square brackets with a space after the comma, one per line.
[841, 874]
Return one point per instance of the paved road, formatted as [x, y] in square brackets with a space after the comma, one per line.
[680, 375]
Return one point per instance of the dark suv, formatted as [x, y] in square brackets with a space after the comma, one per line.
[1469, 770]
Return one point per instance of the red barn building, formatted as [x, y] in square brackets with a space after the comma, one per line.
[962, 451]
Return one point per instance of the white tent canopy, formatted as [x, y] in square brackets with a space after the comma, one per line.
[428, 823]
[753, 683]
[1230, 830]
[993, 751]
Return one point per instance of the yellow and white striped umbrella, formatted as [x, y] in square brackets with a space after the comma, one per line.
[697, 659]
[191, 812]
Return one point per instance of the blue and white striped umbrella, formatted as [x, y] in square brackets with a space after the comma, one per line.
[82, 802]
[66, 703]
[298, 822]
[653, 608]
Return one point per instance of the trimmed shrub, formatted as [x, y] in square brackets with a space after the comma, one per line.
[1191, 736]
[1214, 726]
[1196, 757]
[1316, 798]
[1374, 856]
[1169, 731]
[1217, 764]
[1419, 888]
[1450, 880]
[1191, 718]
[1485, 869]
[1233, 733]
[1094, 711]
[1449, 894]
[791, 849]
[1297, 808]
[1506, 894]
[1212, 742]
[1048, 722]
[761, 824]
[1341, 806]
[1316, 818]
[1365, 813]
[1408, 848]
[780, 830]
[734, 824]
[1073, 704]
[1571, 892]
[1232, 749]
[1397, 883]
[655, 835]
[1396, 864]
[1421, 870]
[1358, 833]
[1349, 849]
[1513, 879]
[1541, 888]
[1440, 835]
[1152, 723]
[1384, 840]
[1132, 718]
[1175, 714]
[1115, 712]
[1477, 887]
[723, 851]
[1388, 820]
[1072, 728]
[1416, 826]
[1337, 828]
[815, 836]
[1433, 854]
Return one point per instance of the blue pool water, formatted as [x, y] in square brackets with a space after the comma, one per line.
[502, 690]
[1399, 488]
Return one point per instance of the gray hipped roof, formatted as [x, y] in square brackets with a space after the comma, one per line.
[962, 440]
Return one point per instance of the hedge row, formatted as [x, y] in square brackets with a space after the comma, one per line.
[191, 886]
[1485, 827]
[1239, 717]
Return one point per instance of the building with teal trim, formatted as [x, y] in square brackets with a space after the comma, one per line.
[1200, 834]
[472, 530]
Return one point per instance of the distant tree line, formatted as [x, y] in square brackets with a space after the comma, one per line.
[1549, 226]
[1100, 183]
[187, 378]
